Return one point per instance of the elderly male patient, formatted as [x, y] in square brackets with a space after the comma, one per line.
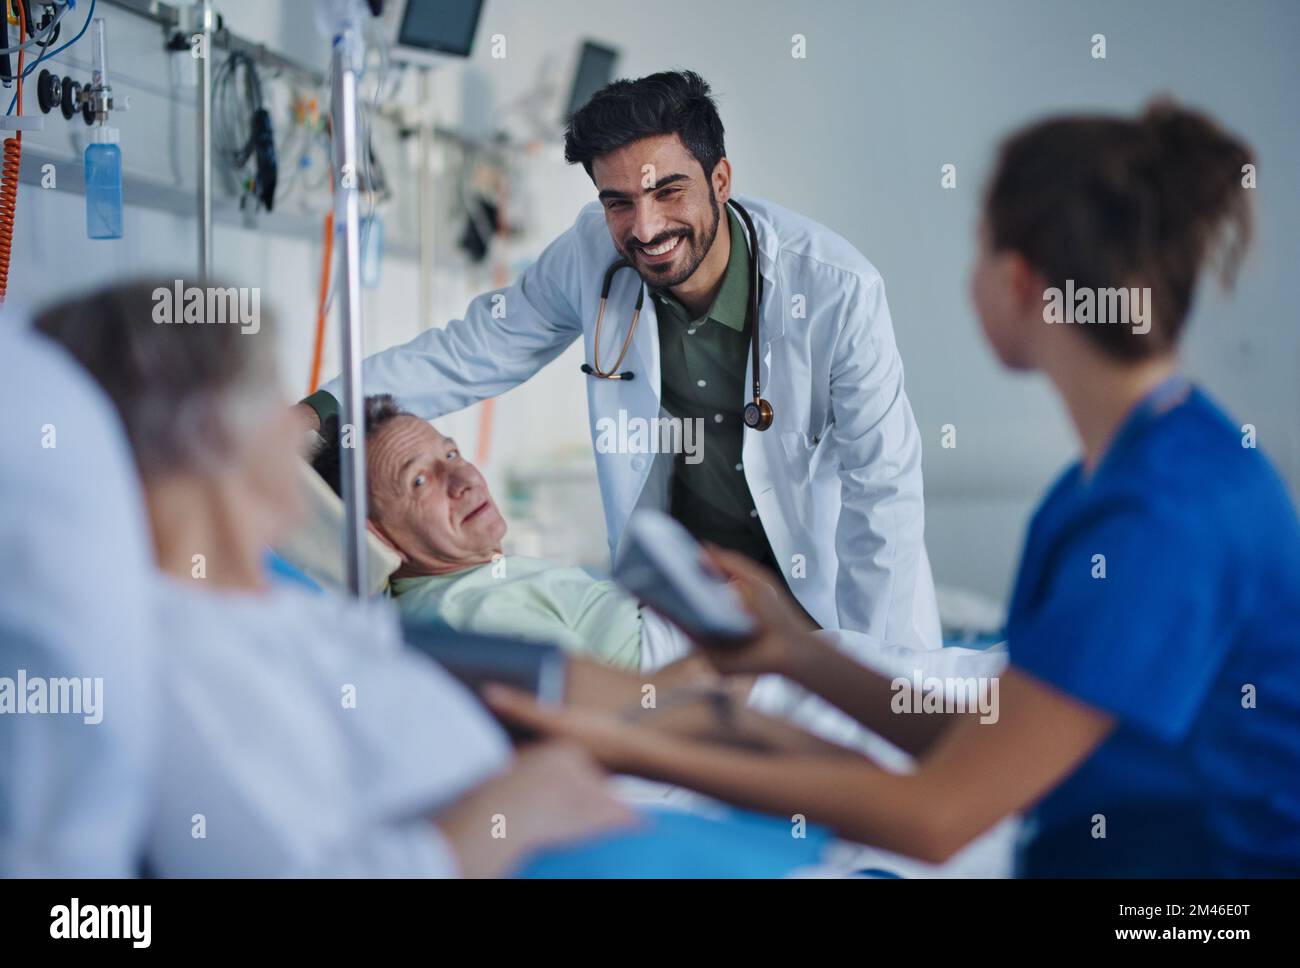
[433, 507]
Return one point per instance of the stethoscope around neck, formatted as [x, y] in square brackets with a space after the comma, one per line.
[758, 414]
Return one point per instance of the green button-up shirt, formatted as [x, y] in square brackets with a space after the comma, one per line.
[703, 376]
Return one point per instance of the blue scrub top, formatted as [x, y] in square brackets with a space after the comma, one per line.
[1191, 641]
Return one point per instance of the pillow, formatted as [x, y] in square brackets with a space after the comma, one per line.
[316, 548]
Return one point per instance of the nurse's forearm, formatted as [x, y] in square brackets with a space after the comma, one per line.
[856, 799]
[864, 694]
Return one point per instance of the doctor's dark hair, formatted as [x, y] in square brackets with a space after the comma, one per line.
[380, 409]
[1115, 202]
[671, 102]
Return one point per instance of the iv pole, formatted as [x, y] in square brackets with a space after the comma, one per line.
[347, 60]
[204, 17]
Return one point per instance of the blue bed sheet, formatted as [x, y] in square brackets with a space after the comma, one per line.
[670, 843]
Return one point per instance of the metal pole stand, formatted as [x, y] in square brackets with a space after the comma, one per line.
[204, 26]
[348, 59]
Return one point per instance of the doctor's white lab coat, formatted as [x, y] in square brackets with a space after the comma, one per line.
[836, 480]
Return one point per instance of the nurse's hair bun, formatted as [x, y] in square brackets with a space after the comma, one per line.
[1202, 175]
[1120, 202]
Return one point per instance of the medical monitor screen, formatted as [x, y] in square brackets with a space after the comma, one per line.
[595, 70]
[446, 26]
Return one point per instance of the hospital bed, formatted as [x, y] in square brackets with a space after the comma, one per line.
[314, 552]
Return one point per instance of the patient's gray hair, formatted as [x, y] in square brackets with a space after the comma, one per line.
[380, 409]
[184, 392]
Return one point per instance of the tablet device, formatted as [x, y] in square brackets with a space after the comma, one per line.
[664, 566]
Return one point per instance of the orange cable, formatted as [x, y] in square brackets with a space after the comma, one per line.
[13, 154]
[326, 264]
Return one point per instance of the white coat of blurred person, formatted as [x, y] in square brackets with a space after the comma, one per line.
[78, 695]
[301, 736]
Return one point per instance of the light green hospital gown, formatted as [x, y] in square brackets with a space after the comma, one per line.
[533, 599]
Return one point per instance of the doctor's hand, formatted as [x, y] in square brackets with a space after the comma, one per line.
[307, 416]
[782, 635]
[552, 794]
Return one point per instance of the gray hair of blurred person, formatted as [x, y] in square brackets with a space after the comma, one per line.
[184, 391]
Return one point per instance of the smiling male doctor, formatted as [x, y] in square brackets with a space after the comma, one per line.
[829, 495]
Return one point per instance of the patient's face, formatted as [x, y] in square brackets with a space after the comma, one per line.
[428, 501]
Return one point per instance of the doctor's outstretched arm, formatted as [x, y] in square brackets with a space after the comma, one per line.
[505, 336]
[883, 585]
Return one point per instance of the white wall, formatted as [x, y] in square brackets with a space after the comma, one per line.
[854, 136]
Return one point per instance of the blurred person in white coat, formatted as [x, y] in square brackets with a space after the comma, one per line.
[299, 735]
[78, 694]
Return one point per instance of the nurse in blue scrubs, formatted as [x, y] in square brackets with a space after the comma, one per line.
[1149, 721]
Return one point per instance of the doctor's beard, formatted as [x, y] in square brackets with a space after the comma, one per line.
[695, 251]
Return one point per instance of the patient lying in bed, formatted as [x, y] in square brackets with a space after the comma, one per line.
[433, 507]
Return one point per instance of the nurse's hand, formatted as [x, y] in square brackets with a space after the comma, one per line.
[552, 794]
[611, 739]
[782, 637]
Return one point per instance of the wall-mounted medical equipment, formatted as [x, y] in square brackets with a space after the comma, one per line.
[35, 36]
[428, 32]
[103, 158]
[372, 252]
[595, 69]
[103, 184]
[33, 32]
[92, 100]
[243, 130]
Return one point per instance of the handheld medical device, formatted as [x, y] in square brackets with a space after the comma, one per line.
[663, 566]
[536, 668]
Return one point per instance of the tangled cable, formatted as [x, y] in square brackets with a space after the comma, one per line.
[242, 127]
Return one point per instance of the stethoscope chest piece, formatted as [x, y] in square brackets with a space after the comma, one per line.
[758, 415]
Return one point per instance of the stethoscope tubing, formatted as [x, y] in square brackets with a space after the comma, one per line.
[594, 369]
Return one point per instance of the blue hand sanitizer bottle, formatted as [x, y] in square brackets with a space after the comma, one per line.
[103, 184]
